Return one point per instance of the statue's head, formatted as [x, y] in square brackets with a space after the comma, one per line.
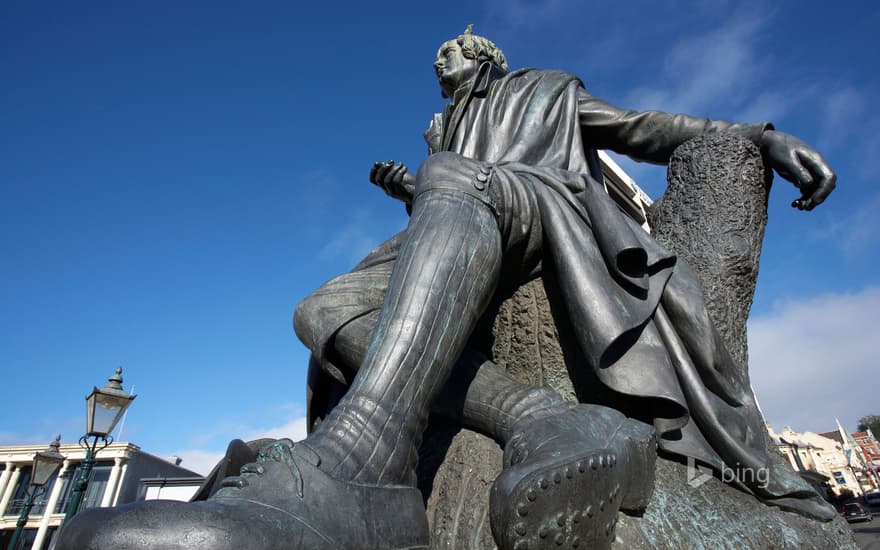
[458, 59]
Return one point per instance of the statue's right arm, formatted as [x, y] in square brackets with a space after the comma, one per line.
[652, 136]
[648, 136]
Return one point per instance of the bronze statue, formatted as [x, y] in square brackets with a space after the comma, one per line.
[510, 190]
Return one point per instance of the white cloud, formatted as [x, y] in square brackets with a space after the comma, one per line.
[12, 438]
[43, 430]
[815, 360]
[702, 71]
[869, 160]
[295, 430]
[844, 110]
[202, 460]
[519, 13]
[198, 460]
[856, 234]
[768, 106]
[364, 228]
[350, 243]
[848, 123]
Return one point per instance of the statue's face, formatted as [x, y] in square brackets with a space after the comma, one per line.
[453, 68]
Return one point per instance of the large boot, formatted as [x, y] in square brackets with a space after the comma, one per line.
[567, 472]
[281, 501]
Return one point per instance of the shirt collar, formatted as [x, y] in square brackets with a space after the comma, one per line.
[487, 73]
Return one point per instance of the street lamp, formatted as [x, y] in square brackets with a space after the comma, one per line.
[104, 408]
[46, 465]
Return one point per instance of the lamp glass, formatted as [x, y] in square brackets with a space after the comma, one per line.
[103, 411]
[46, 465]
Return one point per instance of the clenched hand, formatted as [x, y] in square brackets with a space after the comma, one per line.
[800, 164]
[394, 179]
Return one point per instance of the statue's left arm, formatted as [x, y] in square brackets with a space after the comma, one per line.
[652, 136]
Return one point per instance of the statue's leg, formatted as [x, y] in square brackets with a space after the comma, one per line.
[350, 484]
[479, 394]
[445, 274]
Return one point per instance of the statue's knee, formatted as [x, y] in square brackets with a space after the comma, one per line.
[305, 319]
[453, 172]
[437, 168]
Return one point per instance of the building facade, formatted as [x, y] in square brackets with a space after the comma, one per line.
[623, 189]
[870, 448]
[118, 476]
[811, 453]
[861, 466]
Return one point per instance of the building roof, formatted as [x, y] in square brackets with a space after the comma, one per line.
[835, 435]
[795, 442]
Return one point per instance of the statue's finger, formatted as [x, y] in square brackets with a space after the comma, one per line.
[824, 178]
[396, 174]
[381, 171]
[801, 177]
[385, 177]
[378, 169]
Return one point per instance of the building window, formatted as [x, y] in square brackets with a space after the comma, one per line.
[19, 496]
[66, 487]
[49, 540]
[43, 499]
[94, 491]
[97, 485]
[838, 477]
[24, 543]
[23, 489]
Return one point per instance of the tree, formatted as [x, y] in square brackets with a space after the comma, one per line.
[871, 421]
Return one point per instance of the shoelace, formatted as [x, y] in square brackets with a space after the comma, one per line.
[279, 451]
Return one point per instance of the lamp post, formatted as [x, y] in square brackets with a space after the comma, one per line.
[46, 465]
[104, 408]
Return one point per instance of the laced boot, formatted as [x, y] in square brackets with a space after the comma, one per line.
[567, 471]
[281, 501]
[238, 453]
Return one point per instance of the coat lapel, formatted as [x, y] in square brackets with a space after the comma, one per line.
[454, 112]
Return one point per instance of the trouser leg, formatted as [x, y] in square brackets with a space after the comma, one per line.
[444, 276]
[479, 395]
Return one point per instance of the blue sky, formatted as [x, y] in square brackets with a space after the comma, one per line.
[176, 176]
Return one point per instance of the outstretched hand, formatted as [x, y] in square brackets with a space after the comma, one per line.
[800, 164]
[394, 179]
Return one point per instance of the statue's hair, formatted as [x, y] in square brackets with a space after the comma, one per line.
[481, 49]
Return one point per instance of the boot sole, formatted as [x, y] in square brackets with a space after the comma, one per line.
[542, 504]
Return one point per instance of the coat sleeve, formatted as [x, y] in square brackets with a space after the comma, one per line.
[648, 136]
